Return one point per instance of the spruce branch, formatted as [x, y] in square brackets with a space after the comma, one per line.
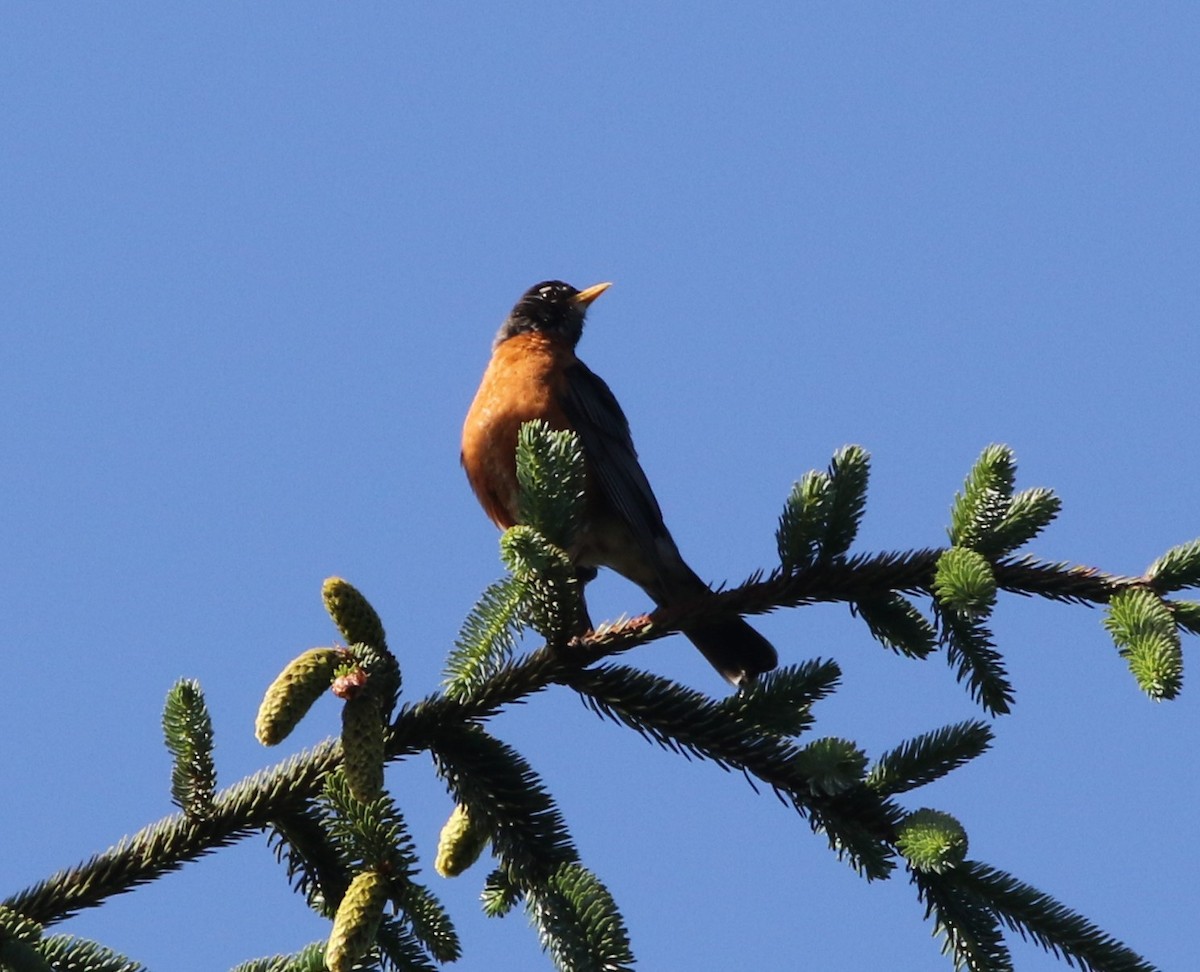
[402, 950]
[311, 958]
[256, 802]
[578, 922]
[237, 812]
[487, 638]
[368, 834]
[1186, 615]
[553, 602]
[969, 929]
[804, 520]
[975, 660]
[188, 729]
[780, 701]
[506, 798]
[858, 822]
[849, 473]
[984, 501]
[312, 859]
[1146, 636]
[1178, 568]
[896, 623]
[821, 516]
[1039, 918]
[929, 757]
[552, 475]
[679, 719]
[500, 895]
[825, 781]
[1028, 514]
[428, 923]
[63, 952]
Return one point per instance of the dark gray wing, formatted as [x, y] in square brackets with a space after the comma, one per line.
[612, 460]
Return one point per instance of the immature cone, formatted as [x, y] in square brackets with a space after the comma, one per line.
[354, 616]
[460, 844]
[965, 581]
[363, 747]
[357, 921]
[932, 840]
[305, 679]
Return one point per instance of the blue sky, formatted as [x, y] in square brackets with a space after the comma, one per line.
[252, 259]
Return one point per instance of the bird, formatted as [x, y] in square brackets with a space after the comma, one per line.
[534, 374]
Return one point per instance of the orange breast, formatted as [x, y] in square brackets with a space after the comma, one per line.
[523, 381]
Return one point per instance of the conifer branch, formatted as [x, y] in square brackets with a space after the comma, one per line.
[578, 922]
[975, 660]
[505, 797]
[896, 623]
[402, 950]
[1038, 917]
[310, 858]
[165, 846]
[859, 822]
[969, 929]
[189, 737]
[311, 958]
[780, 701]
[81, 955]
[350, 852]
[929, 757]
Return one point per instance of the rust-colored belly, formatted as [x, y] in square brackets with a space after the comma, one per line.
[523, 381]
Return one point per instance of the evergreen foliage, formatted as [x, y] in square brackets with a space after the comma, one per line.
[578, 922]
[1146, 636]
[487, 639]
[975, 660]
[551, 474]
[898, 624]
[1187, 615]
[1178, 568]
[189, 736]
[62, 952]
[821, 517]
[345, 846]
[929, 757]
[985, 501]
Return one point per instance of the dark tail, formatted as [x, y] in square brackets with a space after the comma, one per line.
[734, 649]
[731, 646]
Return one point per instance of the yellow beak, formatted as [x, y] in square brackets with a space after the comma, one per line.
[585, 297]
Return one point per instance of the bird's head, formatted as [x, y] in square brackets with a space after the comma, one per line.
[551, 307]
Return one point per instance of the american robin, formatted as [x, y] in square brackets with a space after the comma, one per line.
[534, 374]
